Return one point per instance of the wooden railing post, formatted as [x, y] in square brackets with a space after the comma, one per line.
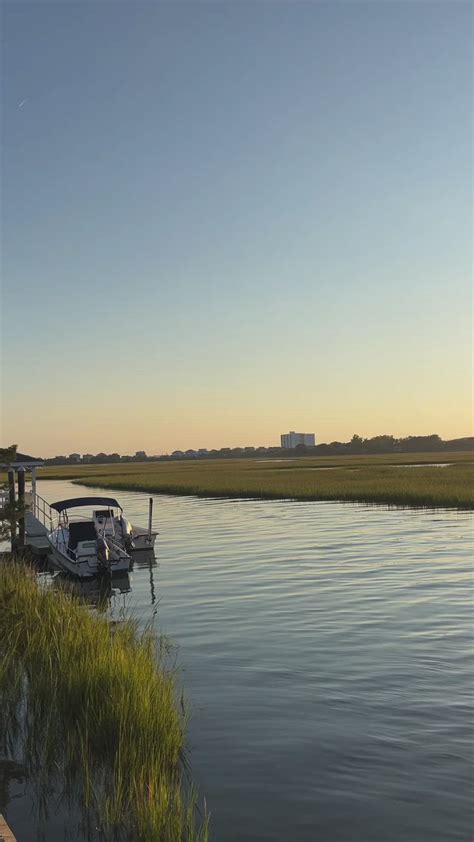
[12, 501]
[21, 503]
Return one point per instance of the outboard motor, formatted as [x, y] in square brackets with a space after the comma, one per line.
[103, 552]
[127, 534]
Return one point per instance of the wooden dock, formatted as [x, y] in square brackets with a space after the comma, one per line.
[6, 835]
[39, 518]
[35, 535]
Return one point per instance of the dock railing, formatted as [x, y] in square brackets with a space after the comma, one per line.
[4, 498]
[42, 511]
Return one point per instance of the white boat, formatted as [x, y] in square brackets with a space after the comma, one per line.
[86, 546]
[111, 523]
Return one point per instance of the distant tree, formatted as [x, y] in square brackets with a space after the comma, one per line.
[421, 443]
[381, 444]
[8, 454]
[466, 443]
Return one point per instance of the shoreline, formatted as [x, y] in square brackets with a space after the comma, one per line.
[367, 500]
[418, 480]
[102, 712]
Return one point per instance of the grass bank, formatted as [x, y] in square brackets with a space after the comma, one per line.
[402, 479]
[91, 704]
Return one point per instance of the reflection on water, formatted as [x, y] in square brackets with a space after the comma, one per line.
[326, 653]
[146, 560]
[103, 591]
[97, 592]
[11, 772]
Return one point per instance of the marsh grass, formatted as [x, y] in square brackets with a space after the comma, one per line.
[92, 705]
[366, 479]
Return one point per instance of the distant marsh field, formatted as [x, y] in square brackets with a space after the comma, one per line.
[417, 479]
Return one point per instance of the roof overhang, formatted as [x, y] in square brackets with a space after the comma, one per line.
[21, 462]
[20, 466]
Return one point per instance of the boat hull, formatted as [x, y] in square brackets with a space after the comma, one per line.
[87, 568]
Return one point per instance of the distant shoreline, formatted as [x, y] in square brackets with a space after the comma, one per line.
[434, 480]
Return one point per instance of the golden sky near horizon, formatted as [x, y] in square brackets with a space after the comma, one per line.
[160, 424]
[278, 237]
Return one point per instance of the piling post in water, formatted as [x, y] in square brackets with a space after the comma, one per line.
[21, 501]
[12, 501]
[150, 518]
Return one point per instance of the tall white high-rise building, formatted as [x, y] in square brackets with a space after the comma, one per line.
[290, 440]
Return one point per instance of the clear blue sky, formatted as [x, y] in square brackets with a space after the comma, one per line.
[222, 221]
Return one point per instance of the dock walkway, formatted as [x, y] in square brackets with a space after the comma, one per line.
[35, 534]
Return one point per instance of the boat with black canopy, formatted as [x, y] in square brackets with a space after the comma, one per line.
[87, 545]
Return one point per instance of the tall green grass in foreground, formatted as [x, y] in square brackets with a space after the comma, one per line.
[91, 703]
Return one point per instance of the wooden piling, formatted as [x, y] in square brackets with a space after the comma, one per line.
[6, 835]
[150, 518]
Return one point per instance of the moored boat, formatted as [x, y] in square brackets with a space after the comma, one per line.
[110, 522]
[88, 546]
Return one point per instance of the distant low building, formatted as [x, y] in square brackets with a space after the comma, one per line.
[292, 440]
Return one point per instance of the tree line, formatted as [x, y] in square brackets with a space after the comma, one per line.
[356, 446]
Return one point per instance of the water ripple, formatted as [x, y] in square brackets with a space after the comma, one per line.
[326, 652]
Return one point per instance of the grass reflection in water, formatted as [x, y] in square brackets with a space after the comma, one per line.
[92, 707]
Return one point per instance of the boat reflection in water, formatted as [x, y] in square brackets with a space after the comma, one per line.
[143, 560]
[97, 592]
[101, 590]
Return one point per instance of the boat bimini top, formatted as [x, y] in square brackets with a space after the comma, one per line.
[75, 502]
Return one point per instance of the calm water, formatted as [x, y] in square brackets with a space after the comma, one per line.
[326, 652]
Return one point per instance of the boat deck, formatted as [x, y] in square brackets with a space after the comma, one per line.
[36, 534]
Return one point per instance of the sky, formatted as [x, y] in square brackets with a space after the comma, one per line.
[223, 221]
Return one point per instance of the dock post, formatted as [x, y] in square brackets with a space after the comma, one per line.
[150, 518]
[12, 501]
[21, 502]
[33, 491]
